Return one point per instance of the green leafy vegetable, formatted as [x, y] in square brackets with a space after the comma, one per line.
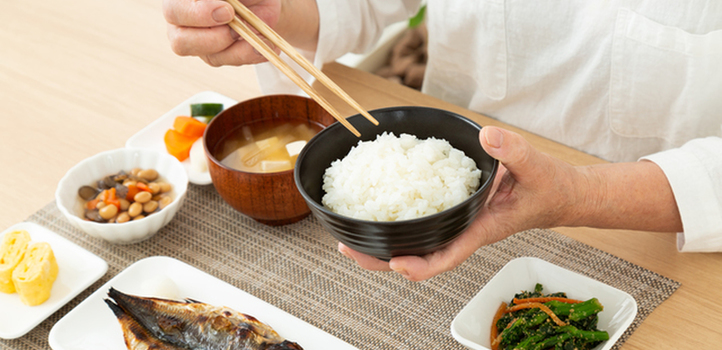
[559, 323]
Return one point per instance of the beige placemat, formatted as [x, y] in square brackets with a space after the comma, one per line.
[297, 268]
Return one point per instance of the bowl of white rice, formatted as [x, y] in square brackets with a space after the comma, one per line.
[406, 187]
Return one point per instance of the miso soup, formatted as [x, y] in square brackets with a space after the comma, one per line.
[265, 146]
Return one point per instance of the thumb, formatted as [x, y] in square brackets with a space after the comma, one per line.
[511, 150]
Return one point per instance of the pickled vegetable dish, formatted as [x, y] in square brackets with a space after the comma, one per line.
[187, 131]
[533, 320]
[265, 146]
[123, 197]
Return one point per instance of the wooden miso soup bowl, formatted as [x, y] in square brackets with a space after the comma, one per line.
[269, 198]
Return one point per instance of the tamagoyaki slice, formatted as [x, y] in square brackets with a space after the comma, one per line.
[34, 276]
[12, 252]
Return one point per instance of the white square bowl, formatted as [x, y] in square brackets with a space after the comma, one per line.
[472, 326]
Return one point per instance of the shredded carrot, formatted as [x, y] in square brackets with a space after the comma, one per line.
[497, 340]
[546, 299]
[494, 331]
[541, 306]
[189, 126]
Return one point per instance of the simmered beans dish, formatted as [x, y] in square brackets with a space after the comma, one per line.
[123, 197]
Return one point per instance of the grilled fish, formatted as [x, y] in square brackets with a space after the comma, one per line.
[191, 324]
[136, 337]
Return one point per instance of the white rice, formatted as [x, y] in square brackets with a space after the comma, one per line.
[399, 178]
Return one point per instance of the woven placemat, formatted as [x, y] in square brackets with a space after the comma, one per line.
[297, 268]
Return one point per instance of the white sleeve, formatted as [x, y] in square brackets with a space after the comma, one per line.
[694, 172]
[345, 26]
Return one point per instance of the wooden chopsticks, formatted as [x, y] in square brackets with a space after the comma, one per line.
[246, 33]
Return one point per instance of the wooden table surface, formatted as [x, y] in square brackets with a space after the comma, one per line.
[80, 77]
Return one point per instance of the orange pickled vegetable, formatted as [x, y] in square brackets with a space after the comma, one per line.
[189, 126]
[178, 145]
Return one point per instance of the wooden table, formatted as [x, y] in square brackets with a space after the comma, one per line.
[80, 77]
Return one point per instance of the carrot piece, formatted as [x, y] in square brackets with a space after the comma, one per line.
[541, 306]
[189, 126]
[91, 204]
[132, 191]
[105, 195]
[494, 330]
[110, 198]
[143, 187]
[546, 299]
[178, 145]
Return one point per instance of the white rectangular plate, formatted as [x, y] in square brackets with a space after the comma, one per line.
[77, 269]
[152, 135]
[472, 325]
[92, 325]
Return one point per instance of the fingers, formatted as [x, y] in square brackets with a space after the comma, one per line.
[217, 46]
[537, 189]
[365, 261]
[506, 146]
[517, 155]
[419, 268]
[189, 41]
[192, 13]
[482, 231]
[239, 53]
[198, 28]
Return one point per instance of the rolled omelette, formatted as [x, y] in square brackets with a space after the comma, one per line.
[12, 252]
[34, 276]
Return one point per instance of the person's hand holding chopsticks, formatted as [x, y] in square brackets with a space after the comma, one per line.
[210, 30]
[238, 32]
[200, 28]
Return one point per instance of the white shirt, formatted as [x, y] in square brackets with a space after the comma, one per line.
[621, 80]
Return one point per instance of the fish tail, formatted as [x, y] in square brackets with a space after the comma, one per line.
[136, 337]
[155, 315]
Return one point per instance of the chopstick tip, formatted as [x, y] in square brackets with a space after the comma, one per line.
[370, 117]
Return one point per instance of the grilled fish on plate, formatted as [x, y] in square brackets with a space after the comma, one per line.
[155, 323]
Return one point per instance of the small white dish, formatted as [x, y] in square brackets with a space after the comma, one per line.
[152, 135]
[92, 325]
[472, 326]
[77, 270]
[92, 169]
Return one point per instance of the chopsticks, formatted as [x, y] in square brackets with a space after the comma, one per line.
[246, 33]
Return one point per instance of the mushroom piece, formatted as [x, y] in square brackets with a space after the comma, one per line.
[87, 192]
[93, 215]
